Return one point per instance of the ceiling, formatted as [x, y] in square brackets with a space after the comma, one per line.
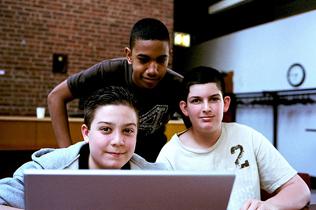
[192, 16]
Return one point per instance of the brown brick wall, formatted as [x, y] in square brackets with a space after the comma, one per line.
[87, 30]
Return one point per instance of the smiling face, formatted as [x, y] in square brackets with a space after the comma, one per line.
[149, 59]
[112, 136]
[205, 107]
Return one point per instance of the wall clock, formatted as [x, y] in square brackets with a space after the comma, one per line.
[296, 75]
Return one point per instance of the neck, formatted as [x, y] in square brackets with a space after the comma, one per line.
[197, 139]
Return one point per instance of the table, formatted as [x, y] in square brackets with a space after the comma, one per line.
[31, 133]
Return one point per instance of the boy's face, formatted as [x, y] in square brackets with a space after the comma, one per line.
[112, 136]
[149, 59]
[205, 106]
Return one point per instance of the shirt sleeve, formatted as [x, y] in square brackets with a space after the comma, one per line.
[274, 169]
[84, 81]
[107, 72]
[12, 188]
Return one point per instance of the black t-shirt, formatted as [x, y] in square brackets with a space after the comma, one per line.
[156, 105]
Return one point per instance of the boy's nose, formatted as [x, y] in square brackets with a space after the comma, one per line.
[153, 67]
[118, 139]
[206, 106]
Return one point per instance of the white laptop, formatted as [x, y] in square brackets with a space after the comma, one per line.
[126, 190]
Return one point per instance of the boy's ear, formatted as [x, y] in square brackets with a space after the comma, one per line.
[227, 101]
[85, 132]
[128, 54]
[183, 107]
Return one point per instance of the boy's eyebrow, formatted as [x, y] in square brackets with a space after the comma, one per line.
[129, 124]
[217, 94]
[147, 56]
[109, 123]
[104, 122]
[142, 55]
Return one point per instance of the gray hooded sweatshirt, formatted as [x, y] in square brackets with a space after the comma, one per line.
[12, 188]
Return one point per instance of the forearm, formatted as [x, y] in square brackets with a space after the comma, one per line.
[294, 195]
[57, 100]
[2, 207]
[61, 128]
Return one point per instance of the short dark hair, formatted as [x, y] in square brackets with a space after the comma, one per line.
[200, 75]
[148, 29]
[107, 96]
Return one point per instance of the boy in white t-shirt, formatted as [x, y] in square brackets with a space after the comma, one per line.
[210, 144]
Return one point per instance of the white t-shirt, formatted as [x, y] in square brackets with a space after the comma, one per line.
[241, 150]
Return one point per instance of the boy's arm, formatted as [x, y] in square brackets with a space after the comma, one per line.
[2, 207]
[57, 101]
[294, 194]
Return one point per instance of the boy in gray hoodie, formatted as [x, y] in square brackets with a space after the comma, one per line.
[109, 131]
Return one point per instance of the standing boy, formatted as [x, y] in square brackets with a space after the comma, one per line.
[144, 72]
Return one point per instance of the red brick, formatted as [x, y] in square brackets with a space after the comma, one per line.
[87, 30]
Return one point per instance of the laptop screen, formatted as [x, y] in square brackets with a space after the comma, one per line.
[126, 189]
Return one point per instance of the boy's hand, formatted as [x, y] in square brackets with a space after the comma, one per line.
[253, 204]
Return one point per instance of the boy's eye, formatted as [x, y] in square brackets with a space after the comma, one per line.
[106, 129]
[195, 100]
[215, 99]
[143, 60]
[129, 131]
[161, 60]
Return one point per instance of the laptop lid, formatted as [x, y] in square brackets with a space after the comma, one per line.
[126, 189]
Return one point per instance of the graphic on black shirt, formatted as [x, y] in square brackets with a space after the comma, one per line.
[241, 151]
[152, 120]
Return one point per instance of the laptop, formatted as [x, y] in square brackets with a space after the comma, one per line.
[126, 190]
